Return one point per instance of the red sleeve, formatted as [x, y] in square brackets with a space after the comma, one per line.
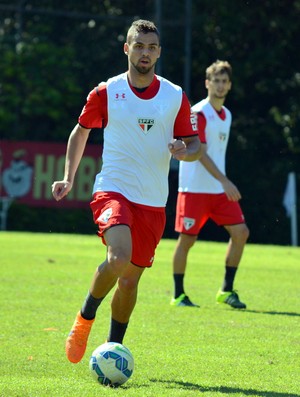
[201, 123]
[94, 113]
[185, 123]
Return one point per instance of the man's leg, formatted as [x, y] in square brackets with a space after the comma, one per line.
[118, 241]
[123, 302]
[184, 244]
[238, 238]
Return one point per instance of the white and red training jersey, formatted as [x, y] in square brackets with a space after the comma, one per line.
[193, 176]
[137, 130]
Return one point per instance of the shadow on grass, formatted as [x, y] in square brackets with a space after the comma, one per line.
[273, 313]
[222, 389]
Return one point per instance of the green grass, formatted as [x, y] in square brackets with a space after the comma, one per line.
[211, 351]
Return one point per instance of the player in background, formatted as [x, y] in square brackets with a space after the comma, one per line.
[205, 192]
[146, 120]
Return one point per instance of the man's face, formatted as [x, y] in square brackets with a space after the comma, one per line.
[143, 51]
[218, 86]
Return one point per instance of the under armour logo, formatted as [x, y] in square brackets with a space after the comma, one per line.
[120, 96]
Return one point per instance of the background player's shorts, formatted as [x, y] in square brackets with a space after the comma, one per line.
[194, 209]
[147, 224]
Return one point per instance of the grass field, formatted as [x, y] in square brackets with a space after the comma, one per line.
[208, 351]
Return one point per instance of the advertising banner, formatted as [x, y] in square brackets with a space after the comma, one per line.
[28, 169]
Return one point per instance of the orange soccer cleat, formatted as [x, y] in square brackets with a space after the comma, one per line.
[77, 339]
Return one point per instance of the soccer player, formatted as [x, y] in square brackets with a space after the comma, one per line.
[205, 192]
[146, 119]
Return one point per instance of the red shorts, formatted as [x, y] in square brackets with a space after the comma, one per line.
[194, 209]
[147, 224]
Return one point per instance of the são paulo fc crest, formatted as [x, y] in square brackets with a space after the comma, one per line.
[146, 124]
[188, 223]
[104, 217]
[222, 136]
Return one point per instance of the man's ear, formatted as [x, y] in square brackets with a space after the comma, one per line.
[125, 48]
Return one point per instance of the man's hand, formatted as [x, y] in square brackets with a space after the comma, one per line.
[231, 190]
[178, 149]
[60, 189]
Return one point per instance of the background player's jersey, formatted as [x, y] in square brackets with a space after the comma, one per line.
[193, 177]
[136, 136]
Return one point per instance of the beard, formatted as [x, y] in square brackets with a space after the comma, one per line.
[143, 69]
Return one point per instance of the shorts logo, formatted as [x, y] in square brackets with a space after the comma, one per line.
[146, 124]
[188, 223]
[104, 217]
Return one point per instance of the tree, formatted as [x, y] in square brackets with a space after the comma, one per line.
[52, 56]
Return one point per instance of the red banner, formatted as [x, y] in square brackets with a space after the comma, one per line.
[28, 169]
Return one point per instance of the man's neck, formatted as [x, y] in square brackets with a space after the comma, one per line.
[216, 103]
[140, 80]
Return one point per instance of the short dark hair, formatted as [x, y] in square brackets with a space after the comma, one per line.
[219, 67]
[141, 26]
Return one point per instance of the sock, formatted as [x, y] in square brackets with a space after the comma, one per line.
[90, 307]
[229, 278]
[178, 282]
[117, 331]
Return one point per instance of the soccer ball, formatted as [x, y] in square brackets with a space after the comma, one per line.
[111, 364]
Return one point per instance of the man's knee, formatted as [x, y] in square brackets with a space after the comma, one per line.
[118, 260]
[128, 284]
[186, 241]
[240, 233]
[245, 233]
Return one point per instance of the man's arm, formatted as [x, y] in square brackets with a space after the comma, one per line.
[75, 148]
[230, 189]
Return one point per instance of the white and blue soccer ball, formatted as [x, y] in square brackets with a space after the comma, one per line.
[111, 364]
